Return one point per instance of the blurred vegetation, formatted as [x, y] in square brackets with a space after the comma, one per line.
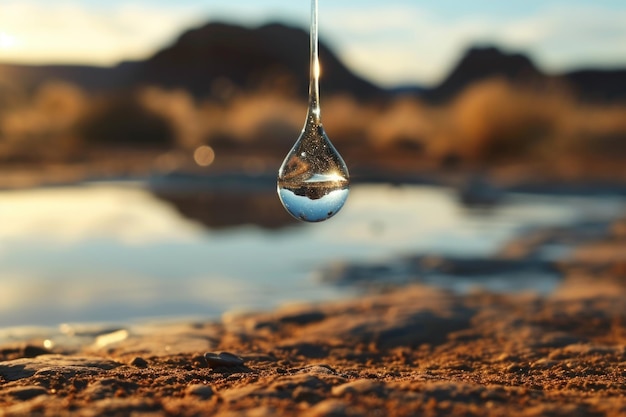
[124, 120]
[490, 122]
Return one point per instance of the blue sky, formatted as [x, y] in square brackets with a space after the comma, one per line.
[390, 42]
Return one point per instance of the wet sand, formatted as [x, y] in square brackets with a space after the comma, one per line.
[401, 352]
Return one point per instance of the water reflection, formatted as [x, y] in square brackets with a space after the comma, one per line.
[113, 252]
[220, 210]
[223, 201]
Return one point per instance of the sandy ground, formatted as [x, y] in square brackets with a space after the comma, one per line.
[405, 352]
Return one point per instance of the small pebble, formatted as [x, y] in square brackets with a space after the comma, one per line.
[318, 369]
[328, 408]
[199, 361]
[517, 368]
[139, 362]
[544, 363]
[223, 359]
[201, 391]
[359, 387]
[32, 351]
[26, 392]
[505, 357]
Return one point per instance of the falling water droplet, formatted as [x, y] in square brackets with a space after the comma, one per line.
[313, 181]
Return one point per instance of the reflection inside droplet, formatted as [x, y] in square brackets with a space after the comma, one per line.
[314, 201]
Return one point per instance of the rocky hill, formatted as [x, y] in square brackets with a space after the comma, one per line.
[271, 56]
[201, 60]
[218, 56]
[480, 63]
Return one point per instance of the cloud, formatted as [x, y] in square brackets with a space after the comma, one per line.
[70, 32]
[407, 43]
[564, 37]
[399, 43]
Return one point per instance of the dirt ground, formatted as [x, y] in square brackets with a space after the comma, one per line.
[405, 352]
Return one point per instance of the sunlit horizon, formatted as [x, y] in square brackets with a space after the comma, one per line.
[401, 43]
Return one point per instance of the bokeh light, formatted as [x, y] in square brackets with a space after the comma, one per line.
[204, 155]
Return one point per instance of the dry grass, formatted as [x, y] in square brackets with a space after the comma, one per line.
[52, 111]
[488, 123]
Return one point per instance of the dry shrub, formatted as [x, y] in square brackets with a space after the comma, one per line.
[489, 122]
[586, 130]
[239, 121]
[347, 121]
[192, 122]
[404, 123]
[179, 109]
[123, 120]
[495, 120]
[52, 111]
[11, 95]
[262, 119]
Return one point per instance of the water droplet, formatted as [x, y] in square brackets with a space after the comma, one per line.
[313, 184]
[313, 181]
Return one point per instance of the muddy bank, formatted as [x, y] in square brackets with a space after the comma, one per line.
[409, 351]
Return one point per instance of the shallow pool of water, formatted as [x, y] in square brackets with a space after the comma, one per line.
[114, 252]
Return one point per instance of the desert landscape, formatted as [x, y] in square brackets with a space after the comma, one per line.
[495, 110]
[148, 269]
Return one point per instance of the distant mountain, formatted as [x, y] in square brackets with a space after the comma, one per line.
[271, 56]
[481, 63]
[218, 56]
[598, 85]
[90, 78]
